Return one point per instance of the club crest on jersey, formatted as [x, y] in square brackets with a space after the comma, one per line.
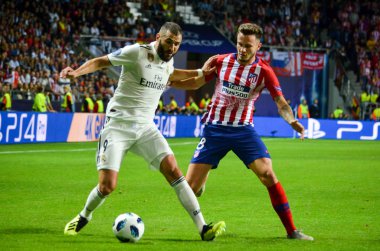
[252, 78]
[150, 57]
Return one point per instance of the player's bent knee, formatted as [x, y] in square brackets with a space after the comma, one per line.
[268, 178]
[106, 189]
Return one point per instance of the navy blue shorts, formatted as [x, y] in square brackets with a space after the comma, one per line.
[218, 140]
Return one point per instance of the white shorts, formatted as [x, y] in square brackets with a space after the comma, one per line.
[118, 137]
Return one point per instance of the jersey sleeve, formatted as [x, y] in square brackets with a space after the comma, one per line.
[272, 83]
[124, 56]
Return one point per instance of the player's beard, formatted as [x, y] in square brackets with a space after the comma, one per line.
[245, 59]
[161, 53]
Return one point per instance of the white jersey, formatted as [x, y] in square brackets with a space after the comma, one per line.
[144, 77]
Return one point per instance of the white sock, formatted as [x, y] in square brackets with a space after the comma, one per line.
[94, 200]
[189, 201]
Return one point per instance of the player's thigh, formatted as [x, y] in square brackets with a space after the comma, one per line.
[152, 146]
[210, 150]
[113, 143]
[248, 146]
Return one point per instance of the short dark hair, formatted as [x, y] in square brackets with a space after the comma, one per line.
[172, 27]
[39, 89]
[251, 29]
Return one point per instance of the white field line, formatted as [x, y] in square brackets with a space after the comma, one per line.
[78, 150]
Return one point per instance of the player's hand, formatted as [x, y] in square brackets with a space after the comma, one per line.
[297, 126]
[209, 68]
[67, 73]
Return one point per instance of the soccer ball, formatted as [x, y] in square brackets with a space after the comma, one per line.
[128, 227]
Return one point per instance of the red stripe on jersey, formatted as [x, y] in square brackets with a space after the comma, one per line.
[238, 77]
[211, 111]
[222, 112]
[243, 116]
[252, 112]
[229, 66]
[248, 109]
[234, 111]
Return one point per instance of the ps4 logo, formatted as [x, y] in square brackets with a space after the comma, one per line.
[357, 126]
[314, 129]
[343, 129]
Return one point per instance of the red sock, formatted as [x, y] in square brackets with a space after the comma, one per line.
[281, 206]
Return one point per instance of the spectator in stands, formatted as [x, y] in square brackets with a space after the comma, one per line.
[338, 113]
[314, 109]
[365, 99]
[365, 96]
[6, 100]
[99, 105]
[87, 103]
[365, 73]
[173, 106]
[39, 104]
[67, 104]
[150, 32]
[191, 107]
[49, 106]
[160, 107]
[376, 114]
[355, 107]
[303, 110]
[374, 97]
[205, 9]
[204, 102]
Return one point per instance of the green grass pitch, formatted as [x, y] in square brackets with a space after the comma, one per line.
[332, 187]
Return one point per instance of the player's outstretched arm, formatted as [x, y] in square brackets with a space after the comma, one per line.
[286, 113]
[189, 84]
[207, 69]
[193, 79]
[90, 66]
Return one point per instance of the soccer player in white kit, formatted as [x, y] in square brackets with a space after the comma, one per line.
[146, 72]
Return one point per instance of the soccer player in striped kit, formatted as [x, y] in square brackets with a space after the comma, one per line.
[241, 77]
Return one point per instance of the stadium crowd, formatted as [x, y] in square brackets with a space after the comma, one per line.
[39, 38]
[349, 26]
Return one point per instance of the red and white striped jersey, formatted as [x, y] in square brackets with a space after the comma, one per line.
[236, 90]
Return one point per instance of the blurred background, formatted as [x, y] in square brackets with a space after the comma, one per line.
[325, 53]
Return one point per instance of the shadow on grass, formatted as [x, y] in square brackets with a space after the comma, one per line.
[29, 230]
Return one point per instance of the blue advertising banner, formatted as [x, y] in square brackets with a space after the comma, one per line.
[32, 127]
[205, 39]
[189, 126]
